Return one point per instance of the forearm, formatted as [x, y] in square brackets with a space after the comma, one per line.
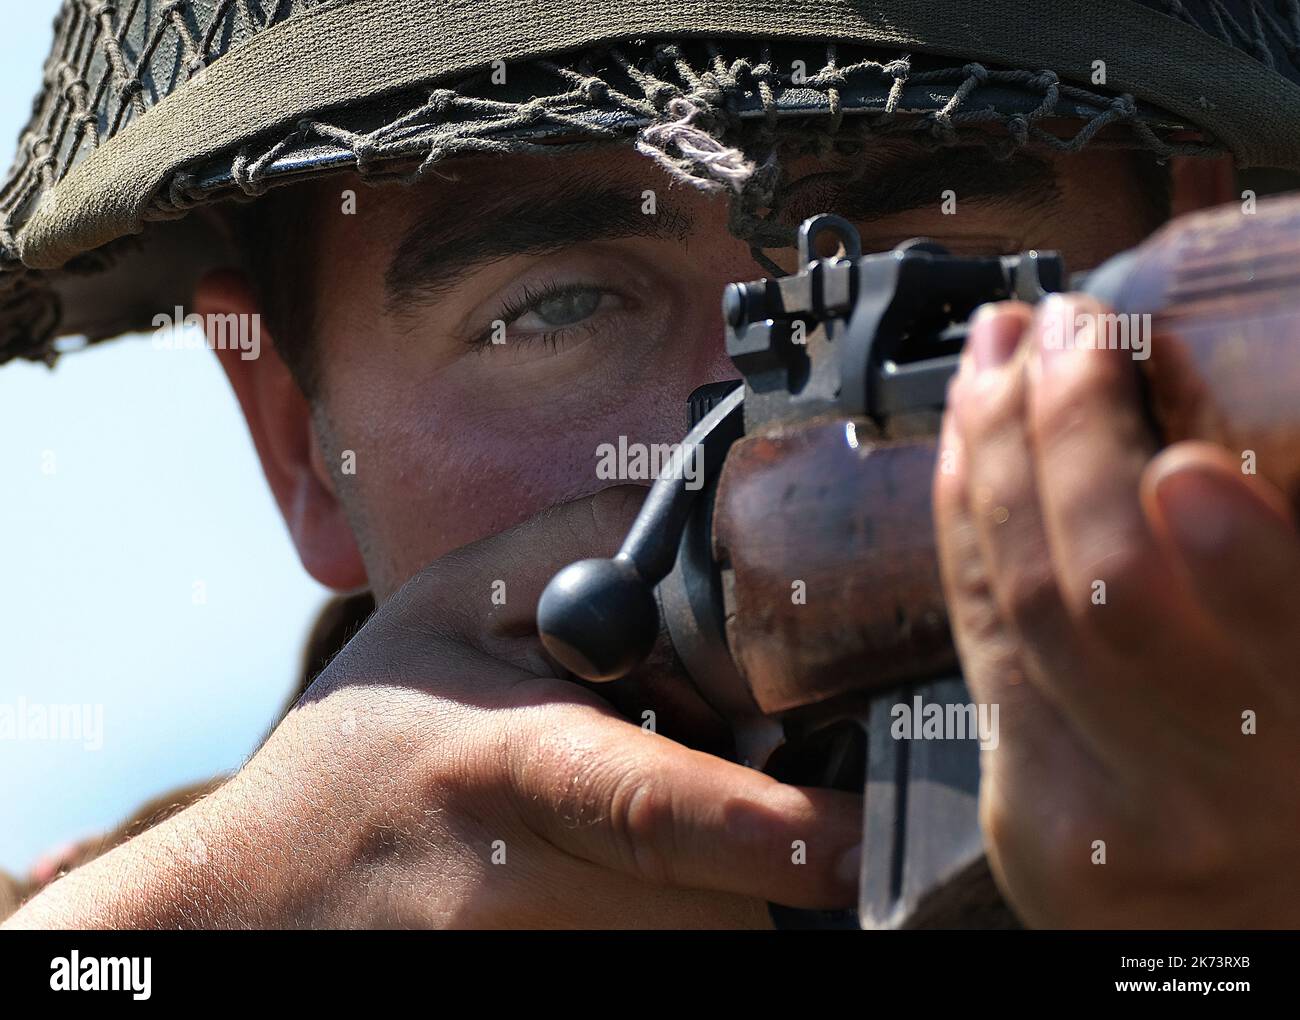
[226, 861]
[162, 878]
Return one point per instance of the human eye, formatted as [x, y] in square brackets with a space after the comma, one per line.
[552, 314]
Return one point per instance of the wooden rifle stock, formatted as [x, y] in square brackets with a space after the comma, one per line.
[837, 512]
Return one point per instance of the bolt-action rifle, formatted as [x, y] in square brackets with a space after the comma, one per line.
[799, 584]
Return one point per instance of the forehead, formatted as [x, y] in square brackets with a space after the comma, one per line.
[570, 196]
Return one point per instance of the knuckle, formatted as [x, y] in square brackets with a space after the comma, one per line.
[1053, 879]
[1004, 473]
[1110, 595]
[641, 816]
[1030, 594]
[566, 776]
[996, 823]
[992, 407]
[949, 488]
[979, 628]
[1076, 885]
[1061, 408]
[1188, 841]
[965, 578]
[551, 767]
[1003, 491]
[1083, 865]
[1124, 566]
[1055, 843]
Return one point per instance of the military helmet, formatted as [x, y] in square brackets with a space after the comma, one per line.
[150, 110]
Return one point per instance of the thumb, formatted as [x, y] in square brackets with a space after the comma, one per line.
[485, 594]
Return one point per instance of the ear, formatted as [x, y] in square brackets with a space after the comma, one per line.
[1200, 182]
[280, 421]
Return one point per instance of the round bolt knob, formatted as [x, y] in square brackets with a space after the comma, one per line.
[598, 618]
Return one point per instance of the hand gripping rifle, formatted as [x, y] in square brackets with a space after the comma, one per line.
[799, 584]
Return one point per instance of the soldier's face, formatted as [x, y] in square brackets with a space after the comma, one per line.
[479, 337]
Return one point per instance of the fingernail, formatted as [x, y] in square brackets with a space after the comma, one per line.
[994, 336]
[1055, 331]
[848, 869]
[1197, 515]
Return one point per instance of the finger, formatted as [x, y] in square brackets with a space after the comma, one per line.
[636, 802]
[1091, 445]
[1039, 767]
[1004, 501]
[1033, 739]
[1006, 509]
[999, 465]
[984, 446]
[984, 646]
[972, 613]
[484, 597]
[1235, 539]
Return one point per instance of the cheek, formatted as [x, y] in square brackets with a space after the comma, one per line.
[459, 456]
[442, 473]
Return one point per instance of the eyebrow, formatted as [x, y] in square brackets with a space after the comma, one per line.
[437, 253]
[892, 183]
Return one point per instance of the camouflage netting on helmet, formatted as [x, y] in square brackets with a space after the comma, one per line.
[708, 113]
[718, 114]
[94, 84]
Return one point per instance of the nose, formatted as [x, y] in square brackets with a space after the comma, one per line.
[720, 366]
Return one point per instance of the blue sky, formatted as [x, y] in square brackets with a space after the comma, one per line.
[130, 486]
